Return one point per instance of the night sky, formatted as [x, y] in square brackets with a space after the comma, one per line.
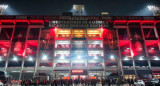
[92, 7]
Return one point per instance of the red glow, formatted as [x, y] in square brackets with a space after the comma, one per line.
[134, 21]
[124, 42]
[137, 48]
[37, 21]
[22, 20]
[35, 44]
[119, 21]
[149, 43]
[8, 21]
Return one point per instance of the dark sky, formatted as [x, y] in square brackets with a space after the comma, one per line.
[92, 7]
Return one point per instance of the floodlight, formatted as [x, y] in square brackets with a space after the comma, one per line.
[3, 6]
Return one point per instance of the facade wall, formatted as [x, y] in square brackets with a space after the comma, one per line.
[127, 47]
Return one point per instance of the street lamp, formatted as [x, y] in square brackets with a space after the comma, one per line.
[2, 8]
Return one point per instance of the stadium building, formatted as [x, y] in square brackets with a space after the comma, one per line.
[80, 46]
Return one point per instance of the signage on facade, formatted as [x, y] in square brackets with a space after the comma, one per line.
[79, 72]
[79, 24]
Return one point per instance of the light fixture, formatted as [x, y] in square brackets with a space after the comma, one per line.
[3, 6]
[44, 57]
[0, 58]
[95, 57]
[112, 57]
[141, 58]
[153, 8]
[126, 58]
[128, 48]
[15, 58]
[156, 58]
[79, 57]
[30, 58]
[152, 48]
[62, 57]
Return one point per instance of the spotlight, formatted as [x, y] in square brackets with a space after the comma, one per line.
[153, 8]
[3, 6]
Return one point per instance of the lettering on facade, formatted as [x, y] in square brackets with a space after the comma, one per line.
[79, 24]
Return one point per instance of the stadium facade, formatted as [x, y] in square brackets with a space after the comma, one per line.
[80, 46]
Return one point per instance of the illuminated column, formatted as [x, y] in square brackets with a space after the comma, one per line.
[155, 10]
[10, 46]
[37, 58]
[120, 57]
[2, 8]
[22, 66]
[104, 58]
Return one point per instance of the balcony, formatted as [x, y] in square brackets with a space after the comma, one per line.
[63, 37]
[45, 68]
[14, 69]
[61, 68]
[78, 38]
[96, 68]
[28, 68]
[78, 67]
